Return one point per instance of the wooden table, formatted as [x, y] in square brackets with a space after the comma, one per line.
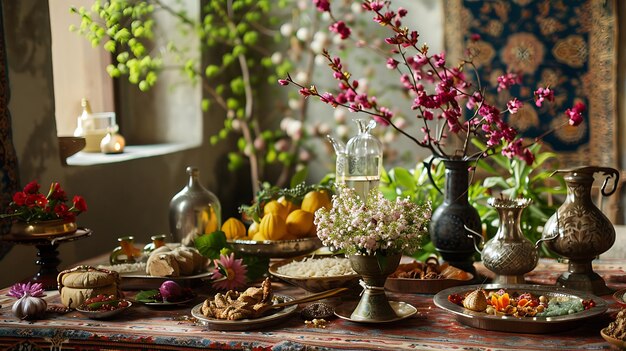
[146, 327]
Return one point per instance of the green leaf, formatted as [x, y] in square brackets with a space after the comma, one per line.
[210, 245]
[147, 296]
[299, 177]
[257, 266]
[404, 178]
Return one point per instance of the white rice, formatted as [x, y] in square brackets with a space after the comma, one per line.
[317, 267]
[125, 267]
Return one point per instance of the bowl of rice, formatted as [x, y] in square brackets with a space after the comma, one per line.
[316, 273]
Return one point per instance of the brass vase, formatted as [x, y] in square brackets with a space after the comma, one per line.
[579, 231]
[374, 270]
[43, 229]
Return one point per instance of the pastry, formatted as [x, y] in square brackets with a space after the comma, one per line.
[83, 282]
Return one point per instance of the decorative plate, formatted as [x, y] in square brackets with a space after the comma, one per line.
[277, 248]
[423, 286]
[535, 325]
[247, 324]
[168, 304]
[403, 310]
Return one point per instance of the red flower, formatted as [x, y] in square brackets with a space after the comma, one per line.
[79, 203]
[31, 188]
[30, 205]
[19, 198]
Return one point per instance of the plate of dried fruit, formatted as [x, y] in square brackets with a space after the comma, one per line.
[519, 308]
[427, 277]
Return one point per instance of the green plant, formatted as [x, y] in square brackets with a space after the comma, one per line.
[514, 178]
[240, 39]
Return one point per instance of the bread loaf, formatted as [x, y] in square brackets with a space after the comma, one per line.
[175, 262]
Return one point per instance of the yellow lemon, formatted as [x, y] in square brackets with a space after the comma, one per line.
[288, 204]
[234, 229]
[253, 229]
[299, 223]
[273, 227]
[276, 208]
[209, 220]
[314, 200]
[259, 237]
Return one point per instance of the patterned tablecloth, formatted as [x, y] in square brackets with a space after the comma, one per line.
[144, 327]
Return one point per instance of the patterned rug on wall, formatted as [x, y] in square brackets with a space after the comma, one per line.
[569, 45]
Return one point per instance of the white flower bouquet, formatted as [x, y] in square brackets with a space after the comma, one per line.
[374, 226]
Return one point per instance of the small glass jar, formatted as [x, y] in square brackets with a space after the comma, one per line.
[126, 252]
[157, 241]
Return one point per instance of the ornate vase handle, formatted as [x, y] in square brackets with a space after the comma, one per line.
[475, 235]
[608, 172]
[428, 164]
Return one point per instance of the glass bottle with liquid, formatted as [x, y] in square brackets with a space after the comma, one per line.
[363, 159]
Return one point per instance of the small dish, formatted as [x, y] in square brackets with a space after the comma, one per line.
[103, 314]
[619, 297]
[246, 324]
[277, 248]
[423, 286]
[613, 341]
[168, 304]
[314, 284]
[403, 310]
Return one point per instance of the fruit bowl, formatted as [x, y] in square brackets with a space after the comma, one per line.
[314, 284]
[277, 248]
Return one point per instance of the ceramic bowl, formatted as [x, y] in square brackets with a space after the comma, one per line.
[314, 284]
[102, 314]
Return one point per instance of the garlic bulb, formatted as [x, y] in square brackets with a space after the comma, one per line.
[29, 307]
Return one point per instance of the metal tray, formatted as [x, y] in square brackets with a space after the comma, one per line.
[534, 325]
[246, 324]
[277, 248]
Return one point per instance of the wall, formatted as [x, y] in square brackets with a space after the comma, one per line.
[126, 198]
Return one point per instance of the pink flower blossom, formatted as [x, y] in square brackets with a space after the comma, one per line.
[508, 80]
[322, 5]
[229, 273]
[575, 114]
[514, 105]
[392, 63]
[340, 28]
[542, 94]
[283, 82]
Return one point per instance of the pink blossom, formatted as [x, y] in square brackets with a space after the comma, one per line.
[283, 82]
[475, 37]
[392, 63]
[514, 105]
[305, 92]
[229, 273]
[508, 80]
[322, 5]
[575, 114]
[543, 93]
[440, 59]
[340, 28]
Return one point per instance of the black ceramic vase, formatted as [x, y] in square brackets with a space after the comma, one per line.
[447, 225]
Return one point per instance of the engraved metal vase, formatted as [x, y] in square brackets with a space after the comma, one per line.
[579, 231]
[374, 269]
[449, 221]
[509, 254]
[194, 211]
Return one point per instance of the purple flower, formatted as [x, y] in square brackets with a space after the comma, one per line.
[574, 114]
[514, 105]
[542, 94]
[340, 28]
[20, 289]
